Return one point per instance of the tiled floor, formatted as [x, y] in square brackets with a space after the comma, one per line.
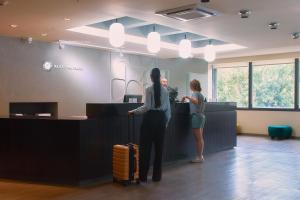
[258, 169]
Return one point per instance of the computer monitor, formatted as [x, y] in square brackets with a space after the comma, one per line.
[130, 98]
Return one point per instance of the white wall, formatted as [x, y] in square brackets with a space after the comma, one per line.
[257, 122]
[22, 78]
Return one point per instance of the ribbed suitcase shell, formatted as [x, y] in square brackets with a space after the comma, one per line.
[121, 164]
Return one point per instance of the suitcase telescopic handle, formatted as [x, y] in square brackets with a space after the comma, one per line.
[131, 128]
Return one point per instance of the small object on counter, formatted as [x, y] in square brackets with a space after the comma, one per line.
[43, 114]
[18, 115]
[79, 117]
[173, 93]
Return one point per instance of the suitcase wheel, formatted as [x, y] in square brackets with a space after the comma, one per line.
[126, 183]
[137, 181]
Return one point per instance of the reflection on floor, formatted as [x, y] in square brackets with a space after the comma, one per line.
[258, 169]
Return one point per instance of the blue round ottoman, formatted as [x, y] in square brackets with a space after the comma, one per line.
[280, 132]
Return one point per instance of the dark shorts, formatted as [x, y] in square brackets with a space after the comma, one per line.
[198, 120]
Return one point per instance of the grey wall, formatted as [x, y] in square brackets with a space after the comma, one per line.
[23, 79]
[179, 70]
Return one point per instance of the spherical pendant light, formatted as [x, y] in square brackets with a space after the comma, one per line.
[209, 53]
[185, 48]
[116, 34]
[153, 42]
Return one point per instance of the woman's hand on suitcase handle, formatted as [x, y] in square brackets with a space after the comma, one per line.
[130, 113]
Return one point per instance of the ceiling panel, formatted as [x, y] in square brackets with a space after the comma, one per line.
[142, 28]
[35, 17]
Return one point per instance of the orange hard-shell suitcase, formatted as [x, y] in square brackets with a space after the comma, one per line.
[126, 161]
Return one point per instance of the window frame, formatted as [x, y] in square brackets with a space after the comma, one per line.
[250, 89]
[215, 80]
[297, 84]
[273, 65]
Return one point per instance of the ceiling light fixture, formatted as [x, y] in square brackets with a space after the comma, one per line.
[67, 19]
[185, 48]
[245, 13]
[13, 25]
[99, 33]
[295, 35]
[44, 34]
[274, 25]
[153, 41]
[116, 34]
[209, 52]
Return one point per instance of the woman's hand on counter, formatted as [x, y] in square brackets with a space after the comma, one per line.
[184, 98]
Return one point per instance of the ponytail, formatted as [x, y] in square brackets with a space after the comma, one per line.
[155, 76]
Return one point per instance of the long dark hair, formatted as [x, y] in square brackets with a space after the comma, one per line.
[155, 77]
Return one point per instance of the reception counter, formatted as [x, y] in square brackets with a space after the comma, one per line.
[78, 152]
[64, 151]
[219, 132]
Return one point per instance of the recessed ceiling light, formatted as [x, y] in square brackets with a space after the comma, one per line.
[273, 25]
[13, 25]
[67, 19]
[44, 34]
[245, 13]
[296, 35]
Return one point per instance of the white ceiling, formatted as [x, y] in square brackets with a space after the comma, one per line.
[47, 16]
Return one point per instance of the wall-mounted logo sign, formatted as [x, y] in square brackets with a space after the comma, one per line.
[48, 66]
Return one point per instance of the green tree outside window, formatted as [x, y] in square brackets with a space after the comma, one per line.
[273, 86]
[232, 85]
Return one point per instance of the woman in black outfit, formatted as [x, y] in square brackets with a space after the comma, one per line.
[157, 113]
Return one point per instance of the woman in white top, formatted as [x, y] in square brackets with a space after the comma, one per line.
[157, 116]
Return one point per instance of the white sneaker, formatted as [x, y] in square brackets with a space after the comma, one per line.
[198, 160]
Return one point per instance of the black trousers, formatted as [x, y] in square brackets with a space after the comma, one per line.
[152, 132]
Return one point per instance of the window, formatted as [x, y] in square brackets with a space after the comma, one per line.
[232, 85]
[273, 86]
[297, 78]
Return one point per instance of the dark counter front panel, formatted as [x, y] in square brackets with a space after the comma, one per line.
[52, 151]
[219, 132]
